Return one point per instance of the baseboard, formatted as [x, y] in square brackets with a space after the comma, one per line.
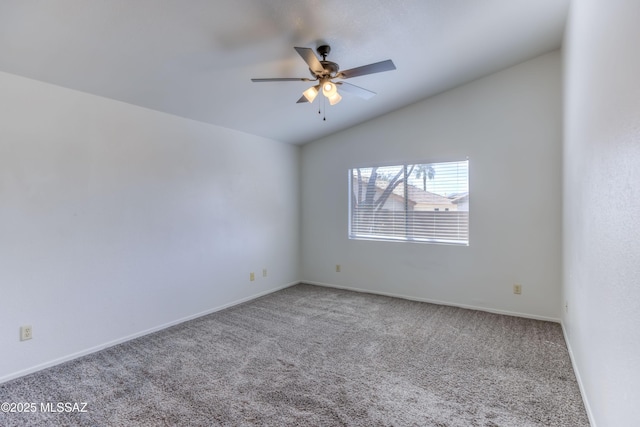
[576, 372]
[136, 335]
[432, 301]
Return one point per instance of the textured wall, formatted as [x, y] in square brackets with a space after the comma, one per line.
[602, 205]
[509, 124]
[116, 220]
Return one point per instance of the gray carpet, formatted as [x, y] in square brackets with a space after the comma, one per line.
[314, 356]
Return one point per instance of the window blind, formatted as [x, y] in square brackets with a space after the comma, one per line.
[422, 202]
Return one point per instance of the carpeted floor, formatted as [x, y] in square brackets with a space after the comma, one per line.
[313, 356]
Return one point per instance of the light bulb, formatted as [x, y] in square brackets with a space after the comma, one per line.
[329, 89]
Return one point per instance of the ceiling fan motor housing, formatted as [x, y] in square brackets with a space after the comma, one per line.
[330, 68]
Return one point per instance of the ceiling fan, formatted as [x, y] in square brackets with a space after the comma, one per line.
[325, 71]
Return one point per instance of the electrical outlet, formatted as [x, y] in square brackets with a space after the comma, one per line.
[338, 268]
[252, 276]
[26, 333]
[517, 289]
[264, 272]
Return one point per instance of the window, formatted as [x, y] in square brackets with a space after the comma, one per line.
[426, 202]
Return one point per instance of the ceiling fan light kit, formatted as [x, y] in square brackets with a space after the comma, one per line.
[325, 71]
[330, 90]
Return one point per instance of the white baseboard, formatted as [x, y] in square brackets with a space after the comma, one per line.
[432, 301]
[136, 335]
[576, 372]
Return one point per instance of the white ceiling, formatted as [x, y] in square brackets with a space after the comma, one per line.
[195, 58]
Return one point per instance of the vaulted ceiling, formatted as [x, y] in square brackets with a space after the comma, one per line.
[196, 58]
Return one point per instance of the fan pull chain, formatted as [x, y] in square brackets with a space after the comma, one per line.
[324, 108]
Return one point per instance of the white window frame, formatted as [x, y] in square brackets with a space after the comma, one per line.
[406, 212]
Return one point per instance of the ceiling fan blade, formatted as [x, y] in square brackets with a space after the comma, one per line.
[356, 90]
[302, 99]
[377, 67]
[311, 59]
[283, 79]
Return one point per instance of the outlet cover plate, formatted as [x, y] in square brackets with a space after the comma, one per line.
[26, 333]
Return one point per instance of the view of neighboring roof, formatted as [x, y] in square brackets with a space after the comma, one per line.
[416, 194]
[459, 198]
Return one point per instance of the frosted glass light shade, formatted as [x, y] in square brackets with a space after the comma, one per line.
[311, 93]
[335, 98]
[329, 89]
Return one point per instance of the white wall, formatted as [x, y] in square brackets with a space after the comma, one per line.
[509, 125]
[602, 206]
[115, 220]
